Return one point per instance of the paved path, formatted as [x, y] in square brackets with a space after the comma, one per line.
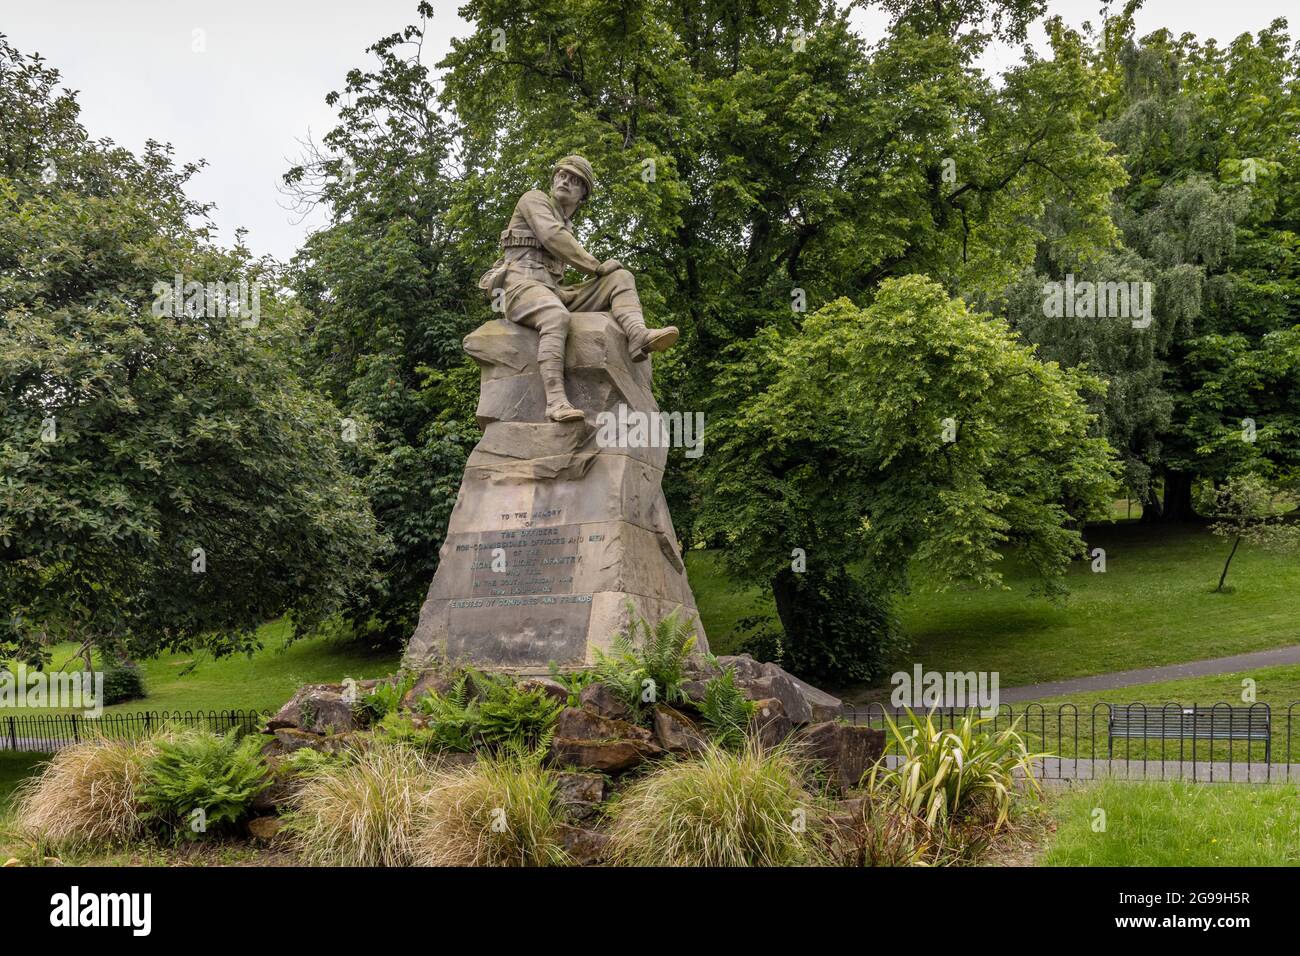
[1152, 675]
[1065, 770]
[1059, 769]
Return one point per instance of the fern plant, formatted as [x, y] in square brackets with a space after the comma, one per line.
[200, 777]
[726, 711]
[651, 669]
[453, 717]
[481, 709]
[510, 715]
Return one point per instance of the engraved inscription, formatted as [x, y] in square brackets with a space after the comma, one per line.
[522, 566]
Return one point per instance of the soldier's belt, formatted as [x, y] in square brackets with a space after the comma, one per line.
[515, 239]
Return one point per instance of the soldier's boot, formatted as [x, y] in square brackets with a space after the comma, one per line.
[558, 408]
[641, 341]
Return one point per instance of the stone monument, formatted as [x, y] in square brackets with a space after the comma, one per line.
[555, 539]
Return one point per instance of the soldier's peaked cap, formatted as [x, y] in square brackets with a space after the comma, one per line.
[580, 168]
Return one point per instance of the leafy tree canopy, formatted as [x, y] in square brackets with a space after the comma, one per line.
[165, 477]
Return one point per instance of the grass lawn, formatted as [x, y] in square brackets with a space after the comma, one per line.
[1153, 605]
[1176, 824]
[723, 601]
[264, 681]
[14, 768]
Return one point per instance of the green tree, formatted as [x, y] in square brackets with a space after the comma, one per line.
[911, 429]
[165, 477]
[390, 298]
[1209, 217]
[1242, 509]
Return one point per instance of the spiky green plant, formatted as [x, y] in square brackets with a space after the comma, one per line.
[944, 774]
[720, 808]
[882, 832]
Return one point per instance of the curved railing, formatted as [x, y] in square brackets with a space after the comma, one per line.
[1079, 744]
[48, 732]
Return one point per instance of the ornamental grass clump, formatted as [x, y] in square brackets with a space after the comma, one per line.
[86, 795]
[362, 810]
[720, 808]
[499, 811]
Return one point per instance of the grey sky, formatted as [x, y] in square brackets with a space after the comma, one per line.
[259, 85]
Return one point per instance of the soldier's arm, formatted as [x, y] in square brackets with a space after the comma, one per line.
[549, 229]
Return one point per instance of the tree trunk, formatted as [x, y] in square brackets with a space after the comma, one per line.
[1224, 576]
[1178, 497]
[1152, 510]
[785, 594]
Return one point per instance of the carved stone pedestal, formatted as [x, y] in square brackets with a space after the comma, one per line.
[552, 535]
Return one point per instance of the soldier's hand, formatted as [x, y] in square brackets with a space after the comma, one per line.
[608, 266]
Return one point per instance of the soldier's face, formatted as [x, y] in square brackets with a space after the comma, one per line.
[567, 187]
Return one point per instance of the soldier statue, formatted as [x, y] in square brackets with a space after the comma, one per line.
[536, 246]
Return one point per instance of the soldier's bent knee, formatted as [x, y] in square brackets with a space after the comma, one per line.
[555, 320]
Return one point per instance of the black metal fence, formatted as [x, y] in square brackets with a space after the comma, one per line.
[46, 733]
[1219, 742]
[1223, 742]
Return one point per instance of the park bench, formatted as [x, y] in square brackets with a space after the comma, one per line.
[1175, 722]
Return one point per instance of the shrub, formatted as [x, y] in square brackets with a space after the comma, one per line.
[726, 710]
[719, 809]
[123, 681]
[573, 683]
[500, 811]
[384, 698]
[362, 811]
[944, 775]
[655, 665]
[85, 795]
[199, 770]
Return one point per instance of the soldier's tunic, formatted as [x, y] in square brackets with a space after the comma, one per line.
[537, 245]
